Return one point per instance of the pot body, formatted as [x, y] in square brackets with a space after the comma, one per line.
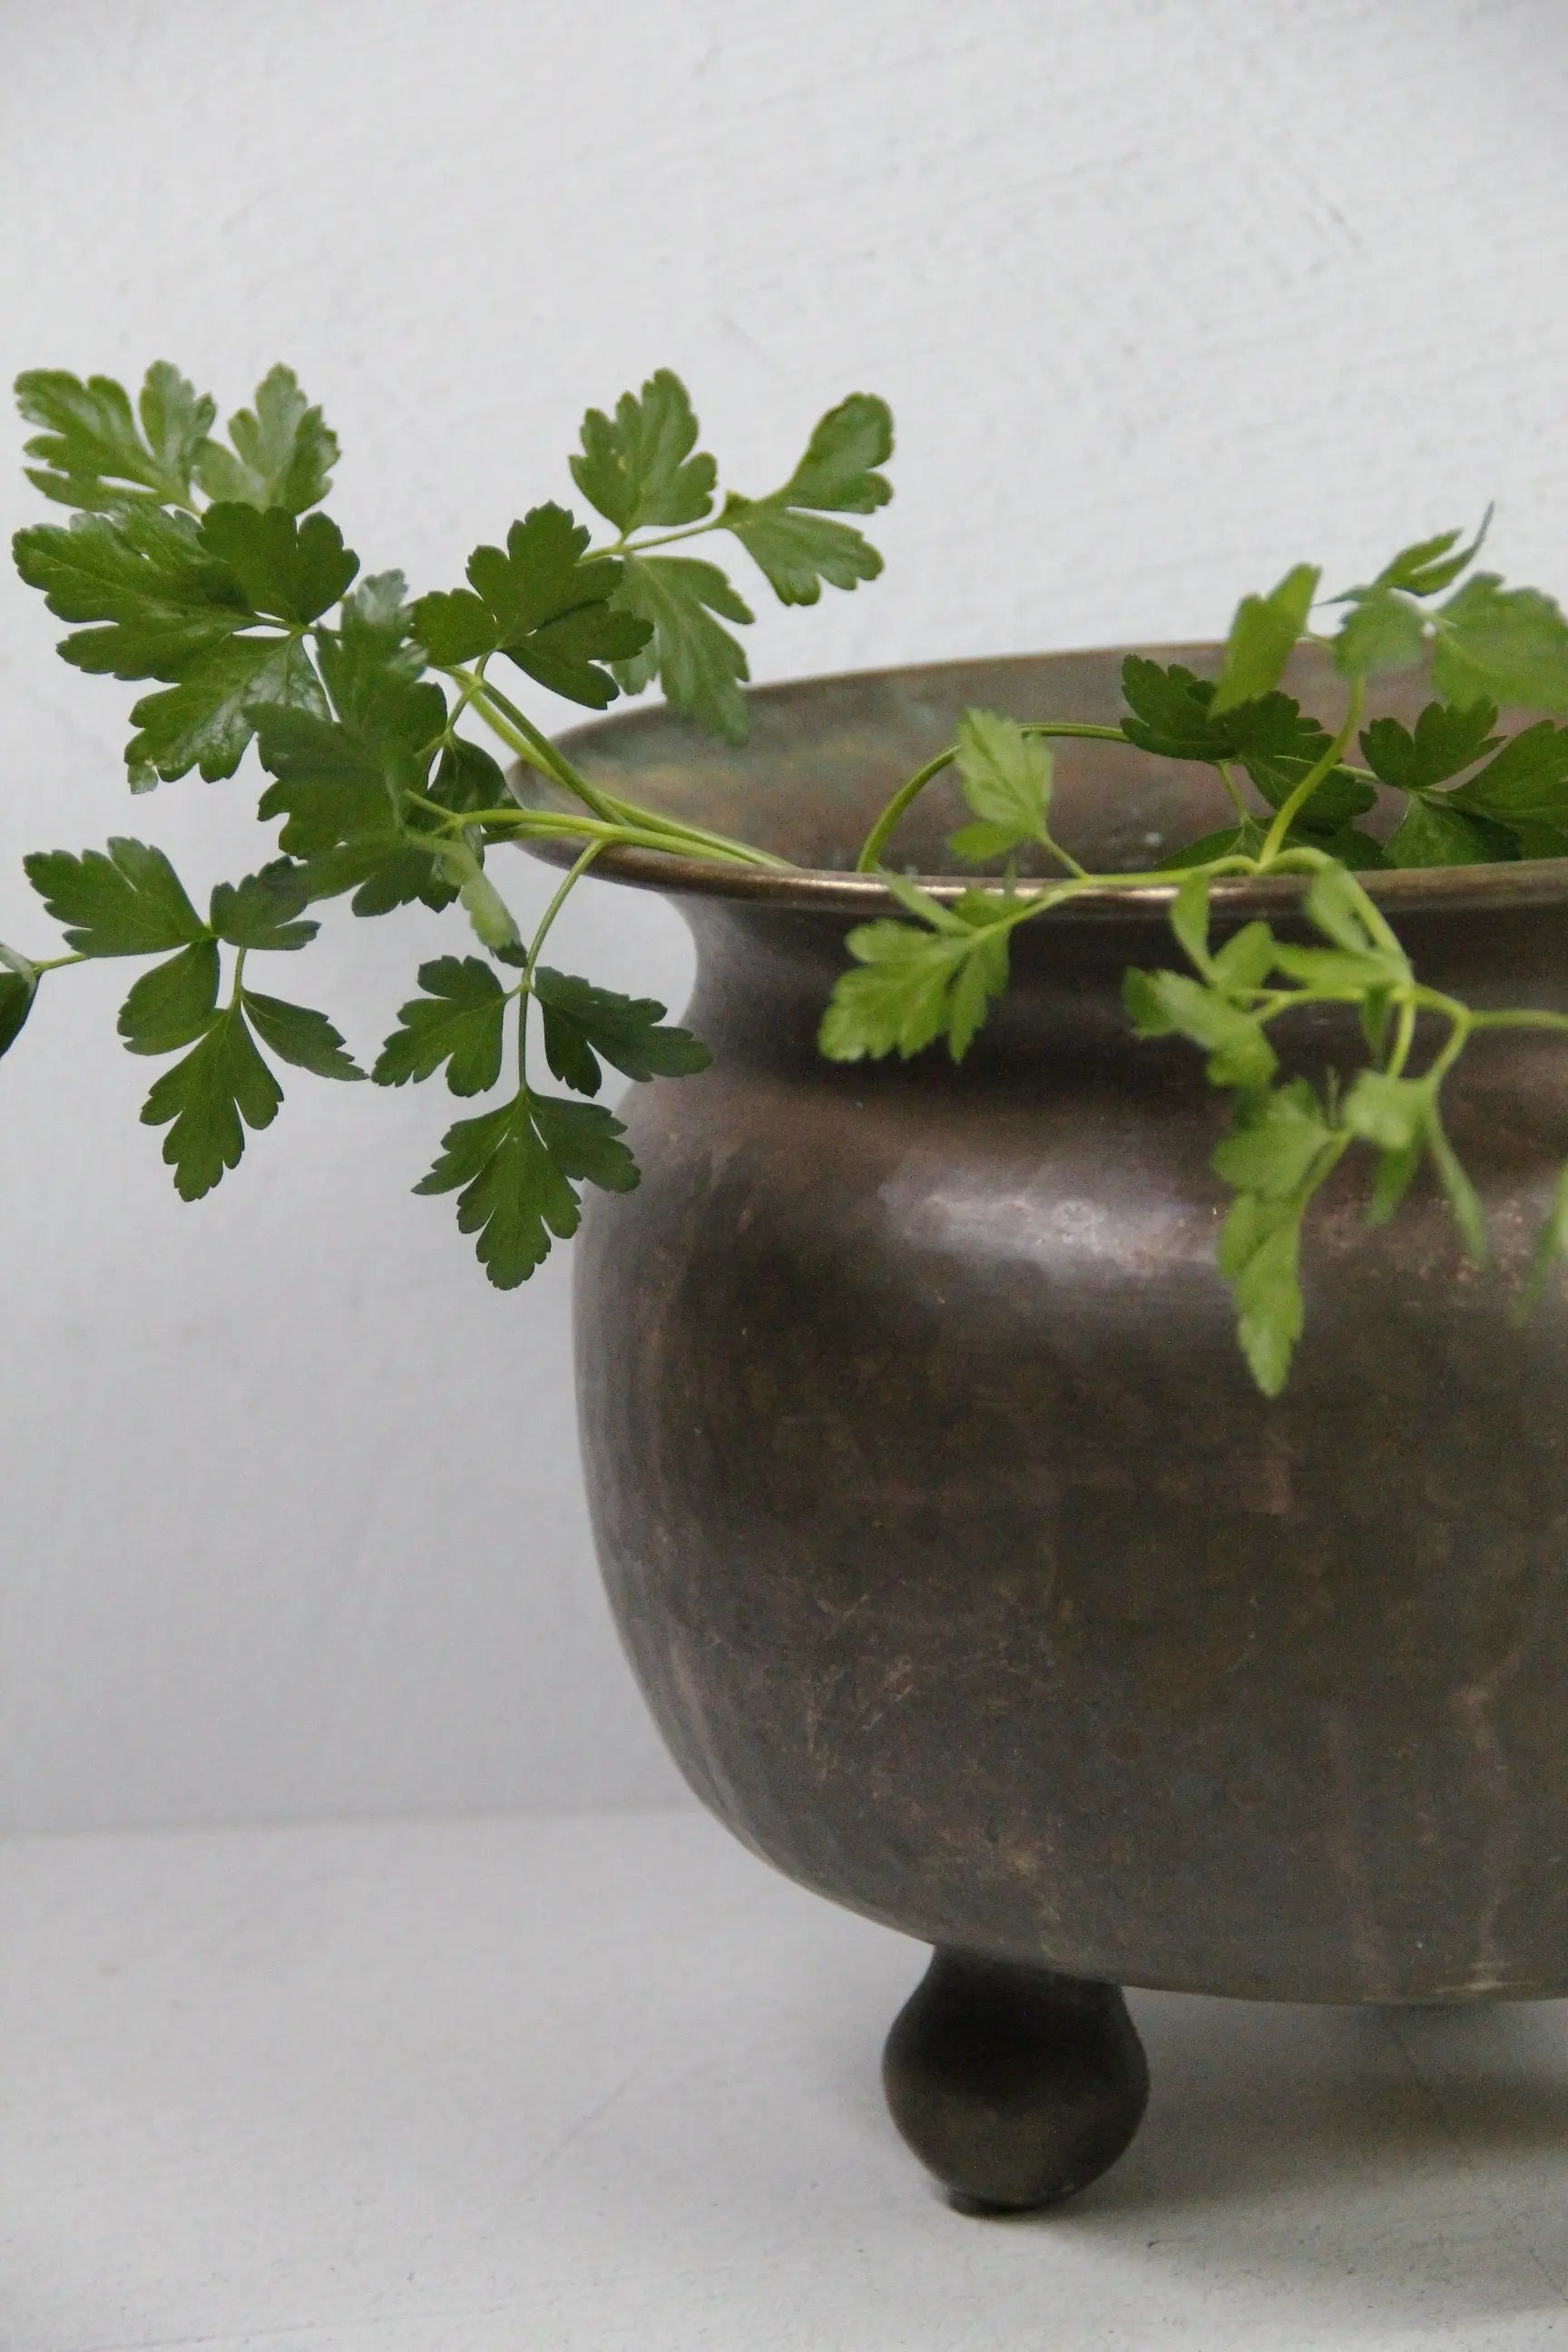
[969, 1578]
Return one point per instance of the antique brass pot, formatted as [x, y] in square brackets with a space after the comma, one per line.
[969, 1578]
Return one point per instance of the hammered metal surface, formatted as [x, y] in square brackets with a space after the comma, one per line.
[969, 1578]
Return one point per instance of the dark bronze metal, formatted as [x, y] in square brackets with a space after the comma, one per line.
[1014, 2086]
[968, 1576]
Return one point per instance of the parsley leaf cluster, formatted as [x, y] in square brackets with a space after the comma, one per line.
[1450, 790]
[201, 566]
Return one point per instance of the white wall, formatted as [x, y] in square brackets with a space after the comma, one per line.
[1165, 293]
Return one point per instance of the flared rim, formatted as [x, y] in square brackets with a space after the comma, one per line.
[1533, 881]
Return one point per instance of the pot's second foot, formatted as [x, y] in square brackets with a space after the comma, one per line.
[1014, 2086]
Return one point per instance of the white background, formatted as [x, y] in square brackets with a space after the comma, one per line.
[1166, 295]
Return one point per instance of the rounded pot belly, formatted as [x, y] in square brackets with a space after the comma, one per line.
[974, 1585]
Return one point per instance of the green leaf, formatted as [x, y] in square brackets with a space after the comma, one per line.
[329, 781]
[1337, 904]
[371, 656]
[1390, 1112]
[460, 1020]
[494, 926]
[1502, 645]
[513, 1169]
[1190, 919]
[542, 605]
[1462, 1196]
[221, 1087]
[1332, 805]
[918, 982]
[1449, 738]
[796, 553]
[146, 574]
[1551, 1244]
[336, 784]
[1429, 566]
[174, 1004]
[584, 1024]
[1376, 1012]
[1171, 713]
[1259, 1254]
[206, 721]
[1395, 1172]
[262, 911]
[125, 901]
[785, 535]
[1385, 629]
[583, 1140]
[638, 468]
[699, 664]
[1359, 851]
[1382, 631]
[296, 1034]
[95, 451]
[383, 872]
[1166, 1004]
[467, 777]
[1168, 711]
[1279, 749]
[1262, 637]
[1525, 784]
[1331, 971]
[283, 452]
[1246, 960]
[1431, 832]
[837, 471]
[1005, 778]
[18, 989]
[510, 1193]
[1277, 1141]
[289, 569]
[1246, 839]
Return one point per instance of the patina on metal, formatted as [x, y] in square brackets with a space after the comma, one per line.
[970, 1580]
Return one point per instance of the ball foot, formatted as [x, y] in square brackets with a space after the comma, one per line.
[1014, 2086]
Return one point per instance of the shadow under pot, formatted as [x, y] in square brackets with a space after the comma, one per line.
[969, 1578]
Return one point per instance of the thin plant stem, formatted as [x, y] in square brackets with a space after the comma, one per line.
[876, 841]
[568, 884]
[1296, 801]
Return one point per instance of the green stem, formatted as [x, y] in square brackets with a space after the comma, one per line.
[568, 882]
[1459, 1038]
[663, 539]
[1081, 873]
[524, 988]
[1228, 779]
[1521, 1020]
[1295, 801]
[57, 963]
[237, 993]
[522, 736]
[876, 841]
[1302, 860]
[1404, 1038]
[519, 734]
[553, 824]
[696, 837]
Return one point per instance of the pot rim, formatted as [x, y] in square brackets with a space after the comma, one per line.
[1527, 881]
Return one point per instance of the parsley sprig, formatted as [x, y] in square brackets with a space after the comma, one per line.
[202, 567]
[1468, 796]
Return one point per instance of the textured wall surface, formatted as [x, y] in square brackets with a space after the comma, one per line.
[1165, 293]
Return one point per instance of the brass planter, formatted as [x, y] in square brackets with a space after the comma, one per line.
[970, 1580]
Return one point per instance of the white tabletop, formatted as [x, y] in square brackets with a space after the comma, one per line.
[606, 2084]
